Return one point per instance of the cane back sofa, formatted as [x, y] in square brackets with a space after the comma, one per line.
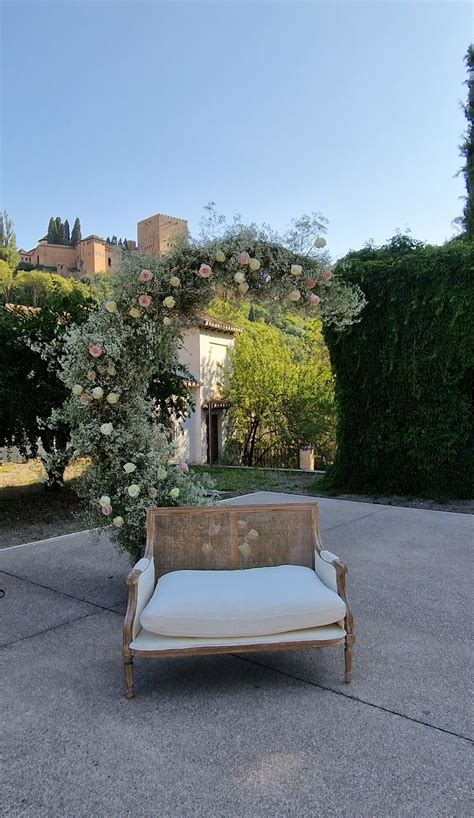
[216, 579]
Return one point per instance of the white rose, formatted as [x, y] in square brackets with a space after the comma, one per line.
[112, 398]
[220, 256]
[169, 302]
[174, 281]
[174, 493]
[129, 468]
[254, 264]
[294, 295]
[166, 321]
[105, 500]
[320, 243]
[133, 490]
[111, 370]
[161, 473]
[106, 429]
[296, 270]
[118, 522]
[77, 389]
[111, 306]
[243, 287]
[98, 393]
[239, 278]
[134, 312]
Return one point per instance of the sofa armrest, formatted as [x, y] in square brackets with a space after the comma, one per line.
[332, 573]
[326, 570]
[141, 584]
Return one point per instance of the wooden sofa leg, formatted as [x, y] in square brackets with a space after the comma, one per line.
[348, 661]
[128, 669]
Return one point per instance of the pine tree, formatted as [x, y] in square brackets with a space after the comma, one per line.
[114, 240]
[251, 315]
[107, 240]
[76, 232]
[467, 149]
[67, 234]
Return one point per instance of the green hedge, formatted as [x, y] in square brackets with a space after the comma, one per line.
[405, 373]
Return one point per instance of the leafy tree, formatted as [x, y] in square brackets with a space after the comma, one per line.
[29, 387]
[35, 288]
[279, 382]
[6, 281]
[467, 149]
[99, 285]
[66, 233]
[8, 251]
[76, 233]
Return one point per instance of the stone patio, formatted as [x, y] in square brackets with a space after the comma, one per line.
[256, 735]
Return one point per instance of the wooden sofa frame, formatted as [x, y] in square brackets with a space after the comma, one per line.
[173, 543]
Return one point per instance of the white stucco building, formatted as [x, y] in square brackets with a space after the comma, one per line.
[201, 437]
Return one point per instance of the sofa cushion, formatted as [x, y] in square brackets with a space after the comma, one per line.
[249, 602]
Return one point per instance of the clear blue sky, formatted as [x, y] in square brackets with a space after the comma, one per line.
[114, 111]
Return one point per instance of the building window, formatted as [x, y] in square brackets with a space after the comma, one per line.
[109, 262]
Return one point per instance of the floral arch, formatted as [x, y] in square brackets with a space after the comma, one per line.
[111, 358]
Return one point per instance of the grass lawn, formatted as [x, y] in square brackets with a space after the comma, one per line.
[243, 481]
[28, 512]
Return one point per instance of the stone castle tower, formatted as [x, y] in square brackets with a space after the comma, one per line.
[158, 235]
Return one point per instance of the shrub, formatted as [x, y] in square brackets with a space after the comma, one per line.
[404, 374]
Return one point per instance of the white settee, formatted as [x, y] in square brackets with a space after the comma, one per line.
[246, 578]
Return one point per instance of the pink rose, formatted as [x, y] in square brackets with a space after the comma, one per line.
[107, 510]
[314, 300]
[95, 350]
[205, 271]
[85, 399]
[91, 376]
[310, 283]
[144, 301]
[326, 275]
[183, 467]
[244, 258]
[152, 493]
[145, 275]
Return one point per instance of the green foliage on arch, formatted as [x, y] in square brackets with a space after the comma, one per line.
[405, 373]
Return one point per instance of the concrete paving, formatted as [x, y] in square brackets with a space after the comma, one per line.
[257, 735]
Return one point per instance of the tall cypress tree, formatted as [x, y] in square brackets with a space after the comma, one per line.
[467, 148]
[76, 233]
[67, 235]
[51, 234]
[59, 230]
